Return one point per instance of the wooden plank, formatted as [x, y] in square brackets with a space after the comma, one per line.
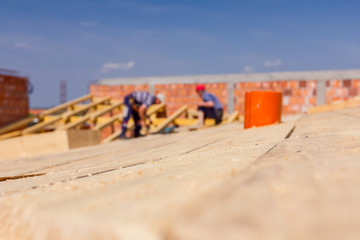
[10, 135]
[170, 119]
[317, 163]
[82, 138]
[65, 105]
[334, 106]
[112, 137]
[192, 113]
[78, 111]
[146, 173]
[117, 117]
[40, 126]
[74, 124]
[99, 113]
[92, 117]
[77, 106]
[155, 108]
[233, 117]
[17, 125]
[184, 121]
[64, 116]
[31, 145]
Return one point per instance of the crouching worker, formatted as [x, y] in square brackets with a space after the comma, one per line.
[209, 107]
[136, 104]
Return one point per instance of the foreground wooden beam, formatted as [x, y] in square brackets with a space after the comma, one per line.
[45, 143]
[143, 183]
[293, 180]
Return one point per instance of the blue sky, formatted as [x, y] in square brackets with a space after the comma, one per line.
[80, 41]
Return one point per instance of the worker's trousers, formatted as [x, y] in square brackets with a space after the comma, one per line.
[129, 112]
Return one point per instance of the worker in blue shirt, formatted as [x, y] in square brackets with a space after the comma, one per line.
[209, 107]
[136, 104]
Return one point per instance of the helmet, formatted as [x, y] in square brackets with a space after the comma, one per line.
[200, 87]
[161, 97]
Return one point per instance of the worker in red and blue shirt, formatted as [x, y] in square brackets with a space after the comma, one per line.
[209, 107]
[136, 104]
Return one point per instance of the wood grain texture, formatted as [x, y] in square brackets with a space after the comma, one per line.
[294, 180]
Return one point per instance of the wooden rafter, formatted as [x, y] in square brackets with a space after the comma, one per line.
[90, 116]
[65, 105]
[170, 119]
[65, 116]
[111, 120]
[24, 122]
[232, 117]
[17, 125]
[155, 108]
[112, 137]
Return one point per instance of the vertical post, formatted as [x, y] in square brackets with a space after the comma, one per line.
[320, 92]
[62, 91]
[151, 88]
[230, 97]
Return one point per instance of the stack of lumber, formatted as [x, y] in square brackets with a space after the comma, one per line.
[295, 180]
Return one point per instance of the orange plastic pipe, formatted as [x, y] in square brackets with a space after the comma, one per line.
[262, 108]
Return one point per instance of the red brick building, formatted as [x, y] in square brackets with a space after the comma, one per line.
[14, 100]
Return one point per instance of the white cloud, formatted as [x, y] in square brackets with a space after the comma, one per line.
[275, 63]
[249, 69]
[107, 67]
[21, 45]
[88, 24]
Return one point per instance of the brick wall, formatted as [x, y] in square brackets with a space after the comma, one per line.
[14, 101]
[342, 89]
[116, 92]
[298, 95]
[177, 95]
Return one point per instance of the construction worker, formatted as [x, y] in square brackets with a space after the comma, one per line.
[136, 104]
[209, 107]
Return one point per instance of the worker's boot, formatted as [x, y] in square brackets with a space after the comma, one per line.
[123, 132]
[137, 130]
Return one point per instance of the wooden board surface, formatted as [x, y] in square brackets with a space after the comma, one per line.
[304, 188]
[295, 180]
